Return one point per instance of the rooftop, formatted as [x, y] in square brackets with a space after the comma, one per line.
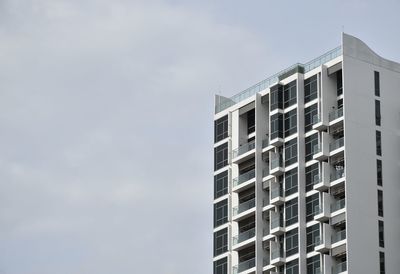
[224, 103]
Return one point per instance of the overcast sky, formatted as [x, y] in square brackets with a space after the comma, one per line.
[106, 112]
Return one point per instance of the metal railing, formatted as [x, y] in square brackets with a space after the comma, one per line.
[338, 204]
[336, 144]
[244, 236]
[244, 206]
[244, 177]
[227, 102]
[339, 268]
[244, 266]
[338, 236]
[337, 174]
[333, 115]
[243, 149]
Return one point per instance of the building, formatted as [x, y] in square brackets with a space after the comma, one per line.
[306, 169]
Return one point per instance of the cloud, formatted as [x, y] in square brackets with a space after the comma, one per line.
[106, 144]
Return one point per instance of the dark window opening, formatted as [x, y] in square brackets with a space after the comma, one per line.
[221, 266]
[291, 179]
[251, 121]
[381, 234]
[277, 126]
[220, 213]
[221, 129]
[290, 94]
[310, 142]
[339, 83]
[378, 143]
[377, 112]
[290, 152]
[309, 114]
[220, 184]
[379, 172]
[310, 89]
[380, 203]
[276, 97]
[220, 242]
[220, 156]
[290, 122]
[377, 84]
[311, 172]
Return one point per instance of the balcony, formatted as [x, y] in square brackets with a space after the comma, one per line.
[244, 207]
[339, 268]
[241, 150]
[337, 205]
[244, 236]
[244, 177]
[320, 150]
[335, 114]
[318, 124]
[321, 181]
[243, 266]
[276, 164]
[322, 241]
[277, 257]
[265, 172]
[336, 144]
[276, 192]
[277, 227]
[338, 236]
[337, 174]
[320, 214]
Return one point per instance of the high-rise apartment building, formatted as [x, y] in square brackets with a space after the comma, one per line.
[307, 169]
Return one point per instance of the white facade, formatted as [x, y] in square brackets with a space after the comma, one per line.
[296, 169]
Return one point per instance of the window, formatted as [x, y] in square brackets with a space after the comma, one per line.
[377, 112]
[379, 172]
[221, 266]
[314, 265]
[311, 203]
[220, 184]
[382, 262]
[220, 242]
[291, 212]
[311, 141]
[291, 182]
[310, 88]
[309, 114]
[220, 156]
[276, 97]
[291, 152]
[292, 242]
[339, 83]
[221, 213]
[221, 129]
[251, 121]
[381, 234]
[380, 203]
[312, 237]
[377, 84]
[277, 126]
[311, 172]
[378, 143]
[290, 94]
[290, 122]
[292, 267]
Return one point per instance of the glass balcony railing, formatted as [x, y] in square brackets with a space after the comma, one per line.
[276, 221]
[265, 143]
[338, 204]
[339, 268]
[337, 174]
[276, 253]
[277, 192]
[276, 162]
[317, 270]
[266, 231]
[244, 206]
[242, 266]
[318, 240]
[243, 149]
[241, 237]
[318, 209]
[316, 179]
[316, 119]
[338, 236]
[244, 177]
[317, 148]
[336, 144]
[333, 115]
